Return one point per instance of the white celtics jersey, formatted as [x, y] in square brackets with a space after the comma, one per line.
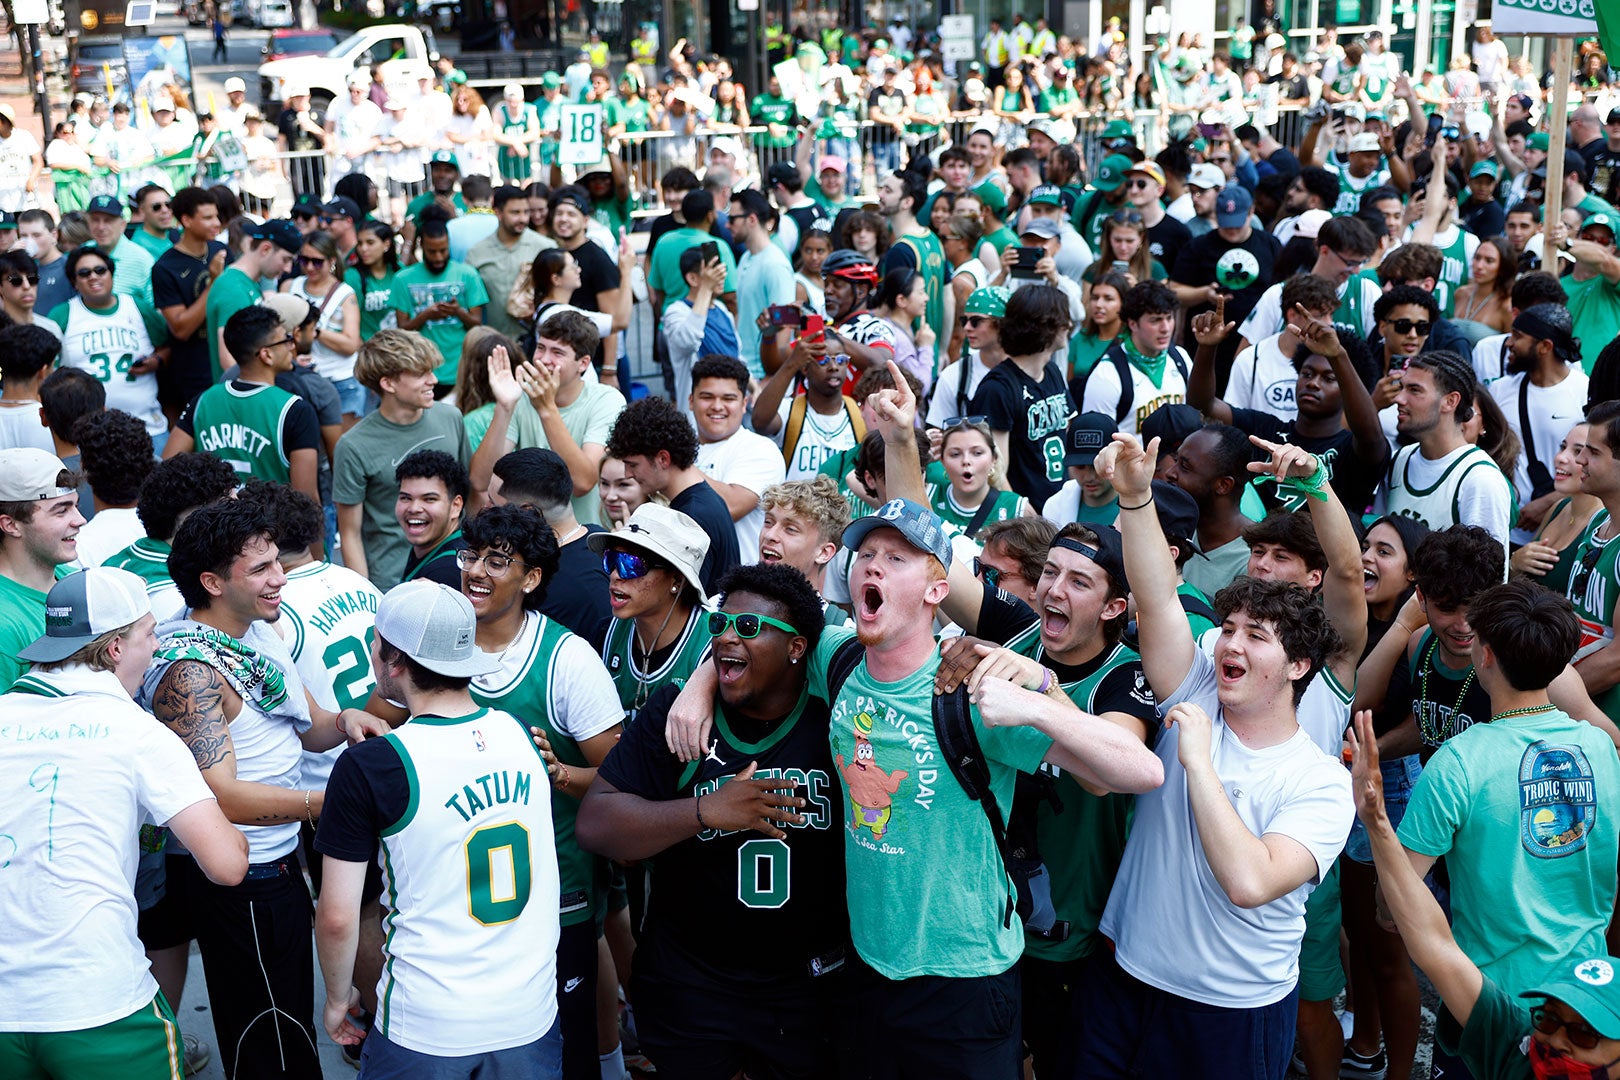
[107, 344]
[327, 618]
[470, 888]
[1439, 505]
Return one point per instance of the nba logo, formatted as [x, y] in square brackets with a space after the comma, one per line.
[478, 740]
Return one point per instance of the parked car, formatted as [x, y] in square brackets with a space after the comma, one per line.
[97, 63]
[271, 13]
[294, 42]
[405, 53]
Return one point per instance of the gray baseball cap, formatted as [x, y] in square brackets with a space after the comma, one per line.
[434, 625]
[85, 605]
[921, 527]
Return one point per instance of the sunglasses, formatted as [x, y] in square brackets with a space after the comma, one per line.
[975, 320]
[1580, 1033]
[747, 623]
[627, 564]
[1138, 184]
[312, 260]
[91, 271]
[1220, 161]
[305, 217]
[156, 207]
[986, 573]
[1406, 326]
[16, 280]
[495, 564]
[1125, 217]
[954, 422]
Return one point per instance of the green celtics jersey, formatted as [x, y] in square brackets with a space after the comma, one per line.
[514, 164]
[242, 423]
[1004, 506]
[1081, 835]
[635, 681]
[148, 559]
[1454, 268]
[1594, 586]
[549, 679]
[931, 265]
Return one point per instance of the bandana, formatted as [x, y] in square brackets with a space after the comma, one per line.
[1151, 366]
[1548, 1064]
[250, 674]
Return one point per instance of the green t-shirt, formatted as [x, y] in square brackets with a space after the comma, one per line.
[1004, 506]
[1489, 1043]
[614, 214]
[1594, 308]
[1201, 624]
[231, 292]
[1084, 352]
[1002, 239]
[376, 296]
[132, 271]
[416, 289]
[363, 473]
[812, 188]
[664, 269]
[22, 622]
[424, 200]
[154, 245]
[765, 109]
[636, 677]
[927, 887]
[1594, 204]
[1056, 96]
[1513, 805]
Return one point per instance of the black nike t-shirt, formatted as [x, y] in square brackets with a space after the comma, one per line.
[179, 279]
[1035, 416]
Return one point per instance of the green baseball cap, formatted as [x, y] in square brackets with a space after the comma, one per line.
[1602, 221]
[445, 157]
[1111, 173]
[1483, 168]
[1538, 140]
[1118, 129]
[990, 300]
[1046, 195]
[992, 197]
[550, 80]
[1588, 986]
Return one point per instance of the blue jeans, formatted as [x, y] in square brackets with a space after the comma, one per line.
[1400, 777]
[351, 395]
[539, 1060]
[886, 156]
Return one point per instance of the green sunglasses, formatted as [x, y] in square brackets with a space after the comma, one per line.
[748, 624]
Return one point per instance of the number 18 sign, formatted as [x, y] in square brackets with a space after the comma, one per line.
[581, 135]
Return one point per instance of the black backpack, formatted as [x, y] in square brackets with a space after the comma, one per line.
[958, 744]
[1127, 386]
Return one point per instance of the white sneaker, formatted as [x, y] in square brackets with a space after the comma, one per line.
[196, 1054]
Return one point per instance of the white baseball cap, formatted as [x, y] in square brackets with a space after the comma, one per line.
[235, 85]
[1366, 142]
[29, 474]
[1205, 175]
[83, 606]
[434, 625]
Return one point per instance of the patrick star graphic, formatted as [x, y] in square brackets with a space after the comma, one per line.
[870, 789]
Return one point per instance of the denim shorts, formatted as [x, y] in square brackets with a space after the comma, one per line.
[351, 395]
[1400, 777]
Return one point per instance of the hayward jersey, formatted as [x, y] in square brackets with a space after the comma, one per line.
[107, 344]
[550, 679]
[460, 809]
[328, 616]
[149, 560]
[1081, 835]
[781, 901]
[637, 679]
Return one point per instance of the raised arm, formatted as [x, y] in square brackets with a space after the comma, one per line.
[1167, 645]
[1210, 328]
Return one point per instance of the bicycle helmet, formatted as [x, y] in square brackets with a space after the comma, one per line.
[849, 265]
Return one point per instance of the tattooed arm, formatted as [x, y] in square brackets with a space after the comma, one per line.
[190, 700]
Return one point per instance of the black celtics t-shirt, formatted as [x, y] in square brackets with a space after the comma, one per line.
[1354, 478]
[779, 905]
[1035, 416]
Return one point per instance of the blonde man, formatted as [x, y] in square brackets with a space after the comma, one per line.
[804, 521]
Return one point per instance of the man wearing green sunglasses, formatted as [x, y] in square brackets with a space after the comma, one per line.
[746, 837]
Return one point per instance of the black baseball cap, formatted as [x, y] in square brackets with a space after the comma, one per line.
[342, 206]
[1087, 435]
[1170, 424]
[280, 232]
[307, 205]
[1177, 511]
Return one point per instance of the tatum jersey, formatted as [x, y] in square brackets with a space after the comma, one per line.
[637, 675]
[148, 559]
[781, 901]
[243, 424]
[327, 616]
[469, 879]
[550, 679]
[107, 343]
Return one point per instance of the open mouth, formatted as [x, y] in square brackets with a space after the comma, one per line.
[770, 555]
[415, 526]
[1231, 672]
[617, 598]
[730, 668]
[871, 602]
[1053, 621]
[478, 592]
[1369, 579]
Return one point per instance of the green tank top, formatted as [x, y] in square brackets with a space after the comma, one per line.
[1593, 589]
[635, 685]
[931, 264]
[1453, 272]
[524, 690]
[1004, 506]
[1082, 839]
[1557, 579]
[244, 426]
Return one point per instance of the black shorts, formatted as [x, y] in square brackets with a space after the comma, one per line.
[314, 860]
[168, 922]
[944, 1028]
[695, 1026]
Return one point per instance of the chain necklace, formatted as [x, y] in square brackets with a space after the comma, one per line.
[1428, 729]
[1528, 710]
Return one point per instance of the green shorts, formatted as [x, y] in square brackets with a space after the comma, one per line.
[145, 1045]
[1321, 975]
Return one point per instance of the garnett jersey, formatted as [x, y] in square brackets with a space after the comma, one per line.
[328, 616]
[107, 344]
[1594, 586]
[781, 902]
[244, 427]
[550, 679]
[1081, 835]
[637, 679]
[149, 560]
[462, 810]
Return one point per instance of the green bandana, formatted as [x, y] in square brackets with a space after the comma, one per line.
[1151, 366]
[251, 674]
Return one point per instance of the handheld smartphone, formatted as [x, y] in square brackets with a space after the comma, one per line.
[1121, 266]
[710, 250]
[1211, 131]
[1027, 258]
[785, 315]
[815, 327]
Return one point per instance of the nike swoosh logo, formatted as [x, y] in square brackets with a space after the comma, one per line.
[414, 448]
[571, 985]
[1575, 416]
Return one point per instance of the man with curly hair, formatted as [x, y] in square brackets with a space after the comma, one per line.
[116, 454]
[659, 449]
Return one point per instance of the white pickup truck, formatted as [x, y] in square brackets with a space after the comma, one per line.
[406, 53]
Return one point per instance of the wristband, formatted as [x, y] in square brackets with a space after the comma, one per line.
[701, 824]
[1311, 486]
[1145, 502]
[1046, 680]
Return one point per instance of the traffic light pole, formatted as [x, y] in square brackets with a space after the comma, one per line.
[42, 100]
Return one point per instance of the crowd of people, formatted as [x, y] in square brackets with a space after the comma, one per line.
[1015, 617]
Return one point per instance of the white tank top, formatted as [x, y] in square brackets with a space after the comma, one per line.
[327, 362]
[470, 884]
